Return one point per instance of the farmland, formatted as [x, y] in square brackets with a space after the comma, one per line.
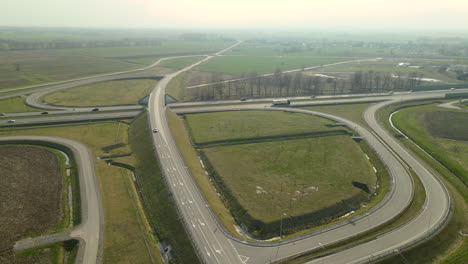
[238, 65]
[32, 67]
[119, 92]
[28, 173]
[179, 63]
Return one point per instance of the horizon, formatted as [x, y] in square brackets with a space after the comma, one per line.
[359, 15]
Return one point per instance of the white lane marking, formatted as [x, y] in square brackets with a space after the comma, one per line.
[192, 223]
[244, 259]
[201, 223]
[208, 253]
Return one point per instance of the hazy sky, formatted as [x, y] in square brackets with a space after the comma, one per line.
[316, 14]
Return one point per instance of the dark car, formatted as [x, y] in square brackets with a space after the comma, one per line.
[243, 99]
[95, 109]
[44, 113]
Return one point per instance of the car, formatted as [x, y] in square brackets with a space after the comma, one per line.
[11, 121]
[95, 109]
[391, 92]
[243, 99]
[44, 113]
[312, 97]
[2, 114]
[452, 89]
[155, 130]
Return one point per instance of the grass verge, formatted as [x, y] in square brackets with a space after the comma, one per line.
[155, 193]
[15, 105]
[124, 242]
[449, 246]
[118, 92]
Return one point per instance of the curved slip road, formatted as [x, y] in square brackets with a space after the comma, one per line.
[91, 230]
[215, 245]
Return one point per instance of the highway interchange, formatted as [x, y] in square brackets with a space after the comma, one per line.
[214, 244]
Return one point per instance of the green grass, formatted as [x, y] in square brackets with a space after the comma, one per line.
[284, 161]
[352, 112]
[310, 180]
[175, 88]
[260, 49]
[166, 49]
[262, 65]
[448, 246]
[159, 205]
[119, 92]
[15, 105]
[179, 63]
[43, 66]
[453, 154]
[449, 125]
[124, 236]
[246, 124]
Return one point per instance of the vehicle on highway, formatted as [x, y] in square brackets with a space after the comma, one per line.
[313, 96]
[155, 130]
[391, 92]
[243, 99]
[281, 102]
[95, 109]
[11, 121]
[44, 113]
[2, 114]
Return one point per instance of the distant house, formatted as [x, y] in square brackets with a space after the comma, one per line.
[403, 65]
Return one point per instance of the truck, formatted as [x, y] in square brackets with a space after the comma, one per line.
[279, 102]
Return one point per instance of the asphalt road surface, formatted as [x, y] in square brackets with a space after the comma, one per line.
[91, 230]
[46, 119]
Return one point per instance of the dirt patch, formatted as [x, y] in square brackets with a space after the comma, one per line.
[450, 125]
[30, 190]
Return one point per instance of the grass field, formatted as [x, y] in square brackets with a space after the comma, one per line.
[42, 66]
[14, 105]
[300, 176]
[349, 111]
[124, 236]
[27, 173]
[31, 67]
[179, 63]
[161, 210]
[261, 49]
[448, 246]
[252, 175]
[262, 65]
[119, 92]
[434, 129]
[166, 49]
[219, 126]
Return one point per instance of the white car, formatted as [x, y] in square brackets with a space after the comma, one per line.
[155, 130]
[11, 121]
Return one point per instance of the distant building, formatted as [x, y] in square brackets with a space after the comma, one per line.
[403, 65]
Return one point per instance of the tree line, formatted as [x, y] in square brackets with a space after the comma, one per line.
[8, 44]
[301, 84]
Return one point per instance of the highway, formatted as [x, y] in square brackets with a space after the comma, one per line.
[214, 246]
[212, 241]
[91, 230]
[46, 119]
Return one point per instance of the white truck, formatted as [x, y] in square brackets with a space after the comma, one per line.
[279, 102]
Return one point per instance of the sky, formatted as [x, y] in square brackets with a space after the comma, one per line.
[447, 15]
